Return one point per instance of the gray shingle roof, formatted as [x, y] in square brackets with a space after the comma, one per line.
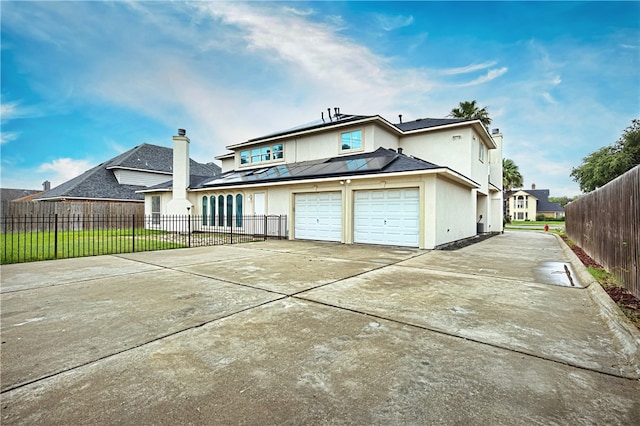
[424, 123]
[380, 161]
[344, 118]
[101, 183]
[8, 194]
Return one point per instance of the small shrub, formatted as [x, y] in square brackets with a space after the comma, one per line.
[540, 217]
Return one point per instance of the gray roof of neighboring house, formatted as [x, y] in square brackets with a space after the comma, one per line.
[9, 194]
[101, 183]
[544, 205]
[380, 161]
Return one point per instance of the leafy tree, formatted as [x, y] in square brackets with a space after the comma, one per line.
[563, 201]
[511, 177]
[469, 110]
[609, 162]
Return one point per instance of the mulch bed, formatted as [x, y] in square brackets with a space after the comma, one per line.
[627, 301]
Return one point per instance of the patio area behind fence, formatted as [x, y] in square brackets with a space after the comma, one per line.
[33, 238]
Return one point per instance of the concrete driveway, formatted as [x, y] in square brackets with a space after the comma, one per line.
[291, 332]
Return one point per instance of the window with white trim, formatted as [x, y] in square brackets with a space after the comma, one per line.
[262, 154]
[351, 140]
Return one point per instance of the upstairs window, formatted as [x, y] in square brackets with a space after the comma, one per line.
[481, 152]
[262, 154]
[351, 140]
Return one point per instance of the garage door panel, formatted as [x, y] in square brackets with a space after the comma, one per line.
[318, 216]
[389, 217]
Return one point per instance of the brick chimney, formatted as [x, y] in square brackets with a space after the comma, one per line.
[179, 205]
[533, 186]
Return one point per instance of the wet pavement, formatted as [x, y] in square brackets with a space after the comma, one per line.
[290, 332]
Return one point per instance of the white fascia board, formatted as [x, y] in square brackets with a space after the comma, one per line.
[139, 170]
[119, 200]
[337, 125]
[450, 174]
[223, 156]
[144, 191]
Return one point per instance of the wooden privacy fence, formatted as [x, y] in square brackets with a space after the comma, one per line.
[606, 224]
[70, 208]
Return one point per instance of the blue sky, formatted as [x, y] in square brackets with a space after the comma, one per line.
[85, 81]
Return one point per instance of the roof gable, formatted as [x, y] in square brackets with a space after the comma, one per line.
[100, 182]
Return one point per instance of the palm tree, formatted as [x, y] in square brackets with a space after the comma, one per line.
[469, 110]
[511, 178]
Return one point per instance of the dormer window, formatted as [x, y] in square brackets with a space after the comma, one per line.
[351, 140]
[262, 154]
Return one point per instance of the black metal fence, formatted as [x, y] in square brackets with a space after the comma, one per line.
[32, 238]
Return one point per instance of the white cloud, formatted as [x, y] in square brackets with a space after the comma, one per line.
[9, 111]
[390, 23]
[6, 137]
[62, 169]
[467, 69]
[299, 12]
[547, 97]
[490, 75]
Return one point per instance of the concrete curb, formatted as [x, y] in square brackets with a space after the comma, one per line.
[624, 330]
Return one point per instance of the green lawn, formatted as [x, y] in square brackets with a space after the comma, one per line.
[533, 225]
[34, 246]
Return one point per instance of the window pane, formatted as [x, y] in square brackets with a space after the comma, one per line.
[155, 210]
[244, 157]
[239, 210]
[220, 210]
[229, 209]
[266, 153]
[205, 202]
[255, 155]
[346, 141]
[277, 151]
[351, 140]
[212, 214]
[356, 139]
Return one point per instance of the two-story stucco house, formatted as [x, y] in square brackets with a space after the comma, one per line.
[353, 179]
[527, 204]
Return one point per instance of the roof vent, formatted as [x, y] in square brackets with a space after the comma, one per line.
[182, 132]
[400, 115]
[399, 150]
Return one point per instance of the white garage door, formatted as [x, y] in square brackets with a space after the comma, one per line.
[389, 217]
[318, 216]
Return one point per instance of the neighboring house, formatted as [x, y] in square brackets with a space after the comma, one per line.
[119, 178]
[526, 204]
[352, 179]
[10, 194]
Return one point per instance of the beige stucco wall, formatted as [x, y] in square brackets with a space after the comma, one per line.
[318, 146]
[455, 211]
[447, 209]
